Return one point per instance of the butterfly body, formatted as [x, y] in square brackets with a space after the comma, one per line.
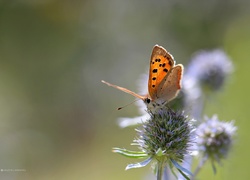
[164, 80]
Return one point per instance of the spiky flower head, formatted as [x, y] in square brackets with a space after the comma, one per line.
[167, 131]
[210, 68]
[215, 137]
[165, 138]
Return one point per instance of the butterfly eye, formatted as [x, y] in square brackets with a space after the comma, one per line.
[147, 100]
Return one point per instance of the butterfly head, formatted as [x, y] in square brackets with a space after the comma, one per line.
[153, 105]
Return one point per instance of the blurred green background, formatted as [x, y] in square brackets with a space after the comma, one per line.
[58, 121]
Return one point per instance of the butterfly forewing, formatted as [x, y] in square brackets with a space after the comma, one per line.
[170, 86]
[160, 64]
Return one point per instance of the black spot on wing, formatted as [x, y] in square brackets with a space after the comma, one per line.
[154, 71]
[165, 70]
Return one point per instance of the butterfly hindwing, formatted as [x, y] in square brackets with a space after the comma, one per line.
[170, 86]
[160, 64]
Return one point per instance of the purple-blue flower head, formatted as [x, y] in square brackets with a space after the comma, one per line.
[215, 137]
[210, 68]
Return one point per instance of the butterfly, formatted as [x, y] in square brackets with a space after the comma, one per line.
[164, 80]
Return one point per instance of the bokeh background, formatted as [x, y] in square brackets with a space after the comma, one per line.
[58, 121]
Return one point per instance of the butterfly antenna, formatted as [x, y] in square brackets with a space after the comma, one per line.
[127, 104]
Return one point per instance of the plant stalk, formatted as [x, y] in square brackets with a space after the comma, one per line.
[160, 169]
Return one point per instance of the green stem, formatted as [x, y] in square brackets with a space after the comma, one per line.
[160, 169]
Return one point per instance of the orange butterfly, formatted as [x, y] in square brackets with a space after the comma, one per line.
[164, 80]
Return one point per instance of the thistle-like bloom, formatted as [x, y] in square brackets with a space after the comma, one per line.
[215, 138]
[165, 139]
[169, 131]
[210, 68]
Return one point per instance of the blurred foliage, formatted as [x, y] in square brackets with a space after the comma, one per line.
[57, 121]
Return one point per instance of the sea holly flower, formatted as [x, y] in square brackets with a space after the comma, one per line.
[210, 68]
[214, 140]
[165, 139]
